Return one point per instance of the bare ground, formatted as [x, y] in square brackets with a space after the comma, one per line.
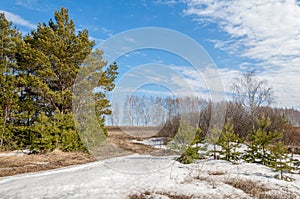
[120, 143]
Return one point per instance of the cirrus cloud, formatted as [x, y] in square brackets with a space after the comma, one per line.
[16, 19]
[267, 32]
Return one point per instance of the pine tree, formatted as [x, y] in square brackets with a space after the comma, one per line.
[280, 159]
[36, 77]
[10, 39]
[44, 134]
[94, 80]
[51, 58]
[260, 140]
[184, 141]
[184, 137]
[54, 58]
[229, 141]
[212, 138]
[66, 136]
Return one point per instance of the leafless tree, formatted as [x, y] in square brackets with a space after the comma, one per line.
[252, 93]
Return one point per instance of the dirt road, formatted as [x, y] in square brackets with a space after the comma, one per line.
[119, 143]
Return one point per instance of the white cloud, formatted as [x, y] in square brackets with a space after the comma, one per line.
[265, 31]
[97, 40]
[165, 2]
[33, 5]
[16, 19]
[107, 31]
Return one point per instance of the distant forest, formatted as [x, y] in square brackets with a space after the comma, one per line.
[139, 110]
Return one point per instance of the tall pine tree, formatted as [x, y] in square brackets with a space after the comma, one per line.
[60, 52]
[50, 59]
[10, 39]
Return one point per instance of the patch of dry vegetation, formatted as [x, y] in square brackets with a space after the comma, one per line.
[216, 173]
[250, 187]
[277, 196]
[257, 190]
[121, 142]
[17, 164]
[148, 195]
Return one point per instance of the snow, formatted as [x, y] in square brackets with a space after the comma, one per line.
[157, 142]
[13, 153]
[122, 176]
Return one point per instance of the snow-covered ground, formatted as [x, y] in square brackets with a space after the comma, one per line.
[122, 176]
[13, 153]
[158, 142]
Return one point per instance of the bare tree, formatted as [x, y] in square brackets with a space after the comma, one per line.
[116, 115]
[252, 93]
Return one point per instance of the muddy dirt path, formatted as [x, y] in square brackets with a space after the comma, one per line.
[119, 143]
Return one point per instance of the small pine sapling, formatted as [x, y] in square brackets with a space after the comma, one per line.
[184, 137]
[260, 140]
[294, 162]
[189, 155]
[43, 139]
[280, 159]
[229, 141]
[184, 141]
[212, 138]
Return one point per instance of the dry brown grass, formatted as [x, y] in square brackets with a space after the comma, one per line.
[147, 195]
[216, 173]
[258, 190]
[135, 131]
[250, 187]
[278, 196]
[123, 141]
[17, 164]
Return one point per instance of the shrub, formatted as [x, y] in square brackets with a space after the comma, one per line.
[55, 132]
[189, 155]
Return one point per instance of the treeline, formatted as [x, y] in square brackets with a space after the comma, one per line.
[167, 111]
[37, 72]
[239, 118]
[137, 110]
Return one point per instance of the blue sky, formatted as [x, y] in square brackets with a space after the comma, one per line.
[237, 35]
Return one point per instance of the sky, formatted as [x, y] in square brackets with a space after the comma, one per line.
[235, 36]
